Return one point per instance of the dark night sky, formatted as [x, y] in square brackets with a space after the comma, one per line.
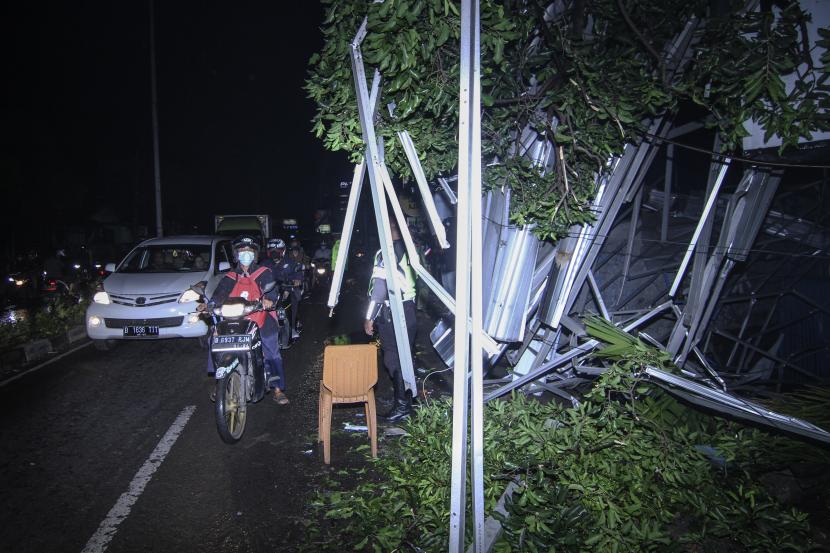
[234, 120]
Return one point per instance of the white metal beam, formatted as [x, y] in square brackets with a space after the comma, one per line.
[489, 344]
[710, 202]
[346, 235]
[423, 187]
[468, 292]
[373, 160]
[351, 210]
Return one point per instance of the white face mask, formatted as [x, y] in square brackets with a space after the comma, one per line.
[246, 258]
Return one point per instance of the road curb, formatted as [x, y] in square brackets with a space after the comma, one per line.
[37, 349]
[76, 334]
[19, 357]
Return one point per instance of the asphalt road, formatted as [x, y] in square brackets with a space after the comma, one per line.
[117, 451]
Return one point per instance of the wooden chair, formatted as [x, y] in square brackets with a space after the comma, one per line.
[349, 376]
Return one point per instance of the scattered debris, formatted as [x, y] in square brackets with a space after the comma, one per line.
[349, 427]
[395, 431]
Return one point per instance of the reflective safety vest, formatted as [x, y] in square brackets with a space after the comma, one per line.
[246, 287]
[404, 276]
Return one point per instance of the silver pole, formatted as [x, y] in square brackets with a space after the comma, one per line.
[476, 270]
[423, 187]
[374, 166]
[346, 236]
[468, 287]
[701, 223]
[154, 96]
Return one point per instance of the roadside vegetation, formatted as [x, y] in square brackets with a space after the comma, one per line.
[629, 469]
[49, 322]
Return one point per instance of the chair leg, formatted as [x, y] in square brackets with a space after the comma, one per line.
[320, 414]
[372, 422]
[326, 427]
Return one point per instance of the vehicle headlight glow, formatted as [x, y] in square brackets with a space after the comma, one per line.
[94, 321]
[20, 282]
[233, 310]
[102, 298]
[321, 271]
[76, 266]
[188, 296]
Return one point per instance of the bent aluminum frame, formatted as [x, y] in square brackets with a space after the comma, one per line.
[366, 111]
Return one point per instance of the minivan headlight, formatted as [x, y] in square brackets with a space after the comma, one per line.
[188, 296]
[102, 298]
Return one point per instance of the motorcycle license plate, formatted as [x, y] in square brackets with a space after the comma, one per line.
[232, 340]
[141, 331]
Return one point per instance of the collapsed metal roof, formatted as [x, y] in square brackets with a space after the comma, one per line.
[726, 272]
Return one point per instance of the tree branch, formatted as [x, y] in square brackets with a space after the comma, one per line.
[643, 40]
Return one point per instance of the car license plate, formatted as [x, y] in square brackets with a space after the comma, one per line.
[141, 331]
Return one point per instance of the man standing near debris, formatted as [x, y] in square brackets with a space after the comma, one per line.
[380, 311]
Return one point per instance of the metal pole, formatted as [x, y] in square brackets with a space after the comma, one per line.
[154, 96]
[664, 219]
[346, 235]
[374, 164]
[423, 187]
[469, 196]
[710, 202]
[476, 270]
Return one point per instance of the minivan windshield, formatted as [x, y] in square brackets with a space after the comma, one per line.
[168, 258]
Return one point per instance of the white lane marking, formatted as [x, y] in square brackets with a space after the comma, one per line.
[119, 512]
[37, 368]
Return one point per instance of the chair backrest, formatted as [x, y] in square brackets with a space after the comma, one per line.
[350, 371]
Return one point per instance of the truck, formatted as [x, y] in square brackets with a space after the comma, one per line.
[258, 226]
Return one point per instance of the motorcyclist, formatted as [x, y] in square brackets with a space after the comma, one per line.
[323, 251]
[320, 261]
[247, 280]
[289, 274]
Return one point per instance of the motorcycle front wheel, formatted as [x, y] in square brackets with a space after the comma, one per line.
[231, 407]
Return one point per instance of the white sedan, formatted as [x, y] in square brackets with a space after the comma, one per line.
[148, 294]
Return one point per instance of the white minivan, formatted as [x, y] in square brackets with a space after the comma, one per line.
[147, 296]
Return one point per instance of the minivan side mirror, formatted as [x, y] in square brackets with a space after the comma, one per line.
[109, 267]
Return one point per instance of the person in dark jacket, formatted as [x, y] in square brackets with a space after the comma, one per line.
[288, 273]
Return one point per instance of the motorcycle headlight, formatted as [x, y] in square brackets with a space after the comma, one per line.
[102, 298]
[313, 264]
[20, 282]
[321, 271]
[233, 310]
[188, 296]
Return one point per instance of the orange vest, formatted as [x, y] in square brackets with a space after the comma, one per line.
[247, 287]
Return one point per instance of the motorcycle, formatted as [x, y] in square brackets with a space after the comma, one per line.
[20, 287]
[283, 309]
[236, 349]
[320, 272]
